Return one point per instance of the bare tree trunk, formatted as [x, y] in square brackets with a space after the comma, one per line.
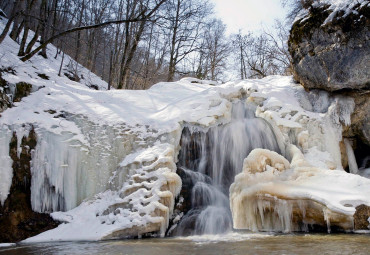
[43, 10]
[173, 60]
[141, 17]
[33, 40]
[110, 70]
[18, 7]
[14, 15]
[61, 65]
[78, 43]
[126, 68]
[26, 20]
[6, 28]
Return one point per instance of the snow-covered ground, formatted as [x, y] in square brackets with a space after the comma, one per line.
[107, 158]
[7, 244]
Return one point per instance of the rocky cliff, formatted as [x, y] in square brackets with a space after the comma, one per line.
[330, 48]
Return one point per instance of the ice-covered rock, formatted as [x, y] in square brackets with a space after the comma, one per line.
[270, 195]
[141, 206]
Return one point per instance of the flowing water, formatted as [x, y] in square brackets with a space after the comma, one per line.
[208, 163]
[233, 243]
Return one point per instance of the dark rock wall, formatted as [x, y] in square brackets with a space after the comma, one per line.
[333, 56]
[17, 220]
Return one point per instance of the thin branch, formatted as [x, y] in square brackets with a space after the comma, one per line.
[140, 17]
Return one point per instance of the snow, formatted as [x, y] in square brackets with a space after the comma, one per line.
[6, 172]
[337, 8]
[134, 205]
[104, 163]
[266, 176]
[7, 244]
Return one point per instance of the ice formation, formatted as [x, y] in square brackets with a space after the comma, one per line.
[105, 161]
[142, 205]
[6, 171]
[210, 159]
[273, 195]
[353, 168]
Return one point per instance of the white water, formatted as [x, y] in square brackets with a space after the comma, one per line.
[211, 160]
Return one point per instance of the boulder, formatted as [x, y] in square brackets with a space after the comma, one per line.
[330, 46]
[362, 217]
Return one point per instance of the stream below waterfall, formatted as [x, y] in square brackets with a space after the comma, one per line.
[232, 243]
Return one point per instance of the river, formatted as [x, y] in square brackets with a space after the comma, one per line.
[232, 243]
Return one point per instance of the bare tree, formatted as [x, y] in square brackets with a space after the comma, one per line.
[213, 53]
[263, 54]
[185, 20]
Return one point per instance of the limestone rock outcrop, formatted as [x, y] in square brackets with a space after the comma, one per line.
[330, 49]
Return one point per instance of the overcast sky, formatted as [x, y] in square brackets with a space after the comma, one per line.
[248, 15]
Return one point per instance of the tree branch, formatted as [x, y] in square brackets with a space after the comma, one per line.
[141, 17]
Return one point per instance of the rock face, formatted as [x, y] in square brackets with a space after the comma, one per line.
[360, 119]
[10, 93]
[5, 101]
[332, 53]
[330, 49]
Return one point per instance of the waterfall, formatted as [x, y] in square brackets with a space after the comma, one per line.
[208, 163]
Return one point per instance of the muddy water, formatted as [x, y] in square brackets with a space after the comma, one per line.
[233, 243]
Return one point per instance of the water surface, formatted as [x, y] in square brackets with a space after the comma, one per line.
[232, 243]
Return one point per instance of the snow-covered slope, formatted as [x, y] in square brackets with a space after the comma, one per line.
[107, 158]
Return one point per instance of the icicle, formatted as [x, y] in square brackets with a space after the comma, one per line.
[327, 218]
[6, 171]
[353, 168]
[68, 168]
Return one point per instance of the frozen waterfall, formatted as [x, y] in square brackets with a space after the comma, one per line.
[208, 163]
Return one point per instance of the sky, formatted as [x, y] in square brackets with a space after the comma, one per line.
[248, 15]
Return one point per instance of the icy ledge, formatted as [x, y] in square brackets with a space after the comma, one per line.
[143, 205]
[272, 194]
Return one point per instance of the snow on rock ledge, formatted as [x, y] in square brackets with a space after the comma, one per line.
[273, 195]
[143, 204]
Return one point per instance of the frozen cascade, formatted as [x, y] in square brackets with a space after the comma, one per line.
[210, 160]
[69, 167]
[6, 171]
